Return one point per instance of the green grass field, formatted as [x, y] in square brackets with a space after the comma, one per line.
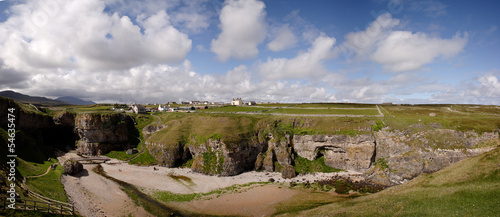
[48, 185]
[455, 117]
[325, 111]
[235, 109]
[332, 105]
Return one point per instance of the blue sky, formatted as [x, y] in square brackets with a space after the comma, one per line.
[155, 51]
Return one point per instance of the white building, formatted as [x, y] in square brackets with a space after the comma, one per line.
[163, 108]
[138, 109]
[237, 102]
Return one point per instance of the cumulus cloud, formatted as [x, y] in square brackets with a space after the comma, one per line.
[79, 34]
[305, 64]
[398, 51]
[405, 51]
[362, 43]
[243, 29]
[284, 39]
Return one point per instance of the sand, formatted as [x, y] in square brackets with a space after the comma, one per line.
[160, 179]
[94, 195]
[250, 201]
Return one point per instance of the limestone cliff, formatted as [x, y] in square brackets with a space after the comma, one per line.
[393, 157]
[213, 157]
[340, 151]
[100, 133]
[402, 156]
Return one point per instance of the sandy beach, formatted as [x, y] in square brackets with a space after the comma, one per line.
[161, 178]
[94, 195]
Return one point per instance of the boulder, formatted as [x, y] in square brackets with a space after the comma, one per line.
[72, 167]
[132, 151]
[288, 172]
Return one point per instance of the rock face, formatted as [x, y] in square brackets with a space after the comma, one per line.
[340, 151]
[218, 158]
[100, 133]
[72, 167]
[65, 119]
[401, 156]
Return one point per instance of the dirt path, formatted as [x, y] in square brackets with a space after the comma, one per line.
[46, 172]
[94, 195]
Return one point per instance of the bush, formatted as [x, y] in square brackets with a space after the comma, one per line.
[379, 125]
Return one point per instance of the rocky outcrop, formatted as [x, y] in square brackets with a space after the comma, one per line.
[288, 172]
[340, 151]
[166, 155]
[65, 119]
[101, 133]
[150, 129]
[402, 156]
[72, 167]
[217, 158]
[25, 120]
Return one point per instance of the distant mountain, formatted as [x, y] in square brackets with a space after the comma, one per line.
[30, 99]
[74, 101]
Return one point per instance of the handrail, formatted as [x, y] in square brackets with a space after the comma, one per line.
[41, 206]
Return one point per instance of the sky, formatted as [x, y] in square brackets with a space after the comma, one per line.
[156, 51]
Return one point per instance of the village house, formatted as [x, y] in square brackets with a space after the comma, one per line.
[251, 103]
[163, 108]
[138, 109]
[237, 102]
[200, 103]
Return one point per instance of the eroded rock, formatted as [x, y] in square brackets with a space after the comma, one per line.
[288, 172]
[72, 167]
[101, 133]
[340, 151]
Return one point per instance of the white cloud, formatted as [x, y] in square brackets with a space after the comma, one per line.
[284, 39]
[364, 42]
[405, 51]
[243, 28]
[80, 35]
[307, 64]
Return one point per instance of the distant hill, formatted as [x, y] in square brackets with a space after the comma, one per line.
[30, 99]
[74, 101]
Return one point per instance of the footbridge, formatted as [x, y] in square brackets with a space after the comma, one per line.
[91, 159]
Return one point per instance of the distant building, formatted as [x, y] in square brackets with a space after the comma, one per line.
[251, 103]
[163, 108]
[237, 102]
[138, 109]
[200, 102]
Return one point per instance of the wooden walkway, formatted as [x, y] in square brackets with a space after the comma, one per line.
[39, 206]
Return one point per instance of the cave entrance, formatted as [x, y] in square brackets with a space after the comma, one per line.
[320, 152]
[186, 159]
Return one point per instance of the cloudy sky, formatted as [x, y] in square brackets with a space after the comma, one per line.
[370, 51]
